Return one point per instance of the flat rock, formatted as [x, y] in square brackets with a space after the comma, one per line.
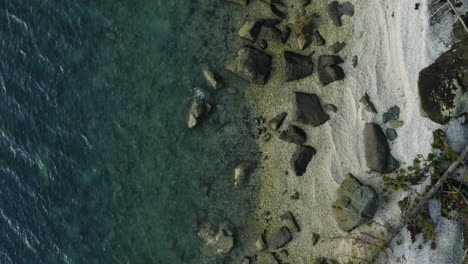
[377, 151]
[301, 159]
[293, 134]
[276, 122]
[308, 109]
[443, 85]
[250, 30]
[198, 112]
[251, 64]
[328, 69]
[355, 203]
[280, 238]
[296, 66]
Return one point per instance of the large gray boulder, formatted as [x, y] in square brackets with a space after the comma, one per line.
[308, 109]
[251, 64]
[355, 203]
[377, 151]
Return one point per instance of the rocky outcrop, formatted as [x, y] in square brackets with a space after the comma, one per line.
[276, 122]
[443, 86]
[198, 112]
[293, 134]
[301, 159]
[213, 79]
[308, 109]
[377, 151]
[296, 66]
[251, 64]
[279, 238]
[328, 69]
[337, 10]
[219, 238]
[355, 203]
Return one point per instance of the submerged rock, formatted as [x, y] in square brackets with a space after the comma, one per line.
[241, 174]
[276, 122]
[198, 112]
[337, 10]
[296, 66]
[308, 109]
[250, 30]
[355, 203]
[219, 238]
[328, 69]
[279, 238]
[213, 79]
[301, 159]
[251, 64]
[443, 85]
[293, 134]
[377, 151]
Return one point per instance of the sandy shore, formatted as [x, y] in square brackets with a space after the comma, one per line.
[393, 42]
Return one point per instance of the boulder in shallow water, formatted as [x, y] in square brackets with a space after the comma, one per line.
[251, 64]
[293, 134]
[241, 174]
[279, 238]
[377, 151]
[219, 238]
[328, 69]
[308, 109]
[296, 66]
[301, 159]
[355, 202]
[198, 111]
[213, 79]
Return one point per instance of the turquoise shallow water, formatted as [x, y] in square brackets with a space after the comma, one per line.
[96, 163]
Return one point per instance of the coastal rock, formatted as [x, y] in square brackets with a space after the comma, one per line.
[395, 124]
[317, 39]
[392, 114]
[250, 30]
[331, 108]
[369, 106]
[315, 239]
[391, 134]
[301, 159]
[458, 29]
[296, 66]
[280, 238]
[337, 47]
[328, 69]
[260, 244]
[355, 61]
[241, 174]
[303, 42]
[293, 134]
[272, 33]
[304, 26]
[276, 122]
[290, 221]
[337, 10]
[355, 202]
[198, 111]
[377, 151]
[239, 2]
[251, 64]
[213, 79]
[324, 261]
[220, 238]
[308, 109]
[443, 85]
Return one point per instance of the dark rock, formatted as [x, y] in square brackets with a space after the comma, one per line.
[315, 239]
[263, 44]
[355, 61]
[337, 47]
[239, 2]
[247, 260]
[355, 203]
[296, 66]
[295, 196]
[304, 3]
[251, 65]
[280, 238]
[304, 26]
[272, 33]
[303, 41]
[391, 134]
[290, 221]
[328, 70]
[301, 159]
[278, 10]
[250, 30]
[276, 122]
[377, 151]
[198, 112]
[391, 115]
[369, 106]
[317, 39]
[308, 109]
[459, 31]
[293, 134]
[443, 85]
[337, 10]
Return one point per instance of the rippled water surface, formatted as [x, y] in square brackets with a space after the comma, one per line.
[96, 164]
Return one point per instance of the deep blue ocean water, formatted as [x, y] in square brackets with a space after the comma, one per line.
[96, 164]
